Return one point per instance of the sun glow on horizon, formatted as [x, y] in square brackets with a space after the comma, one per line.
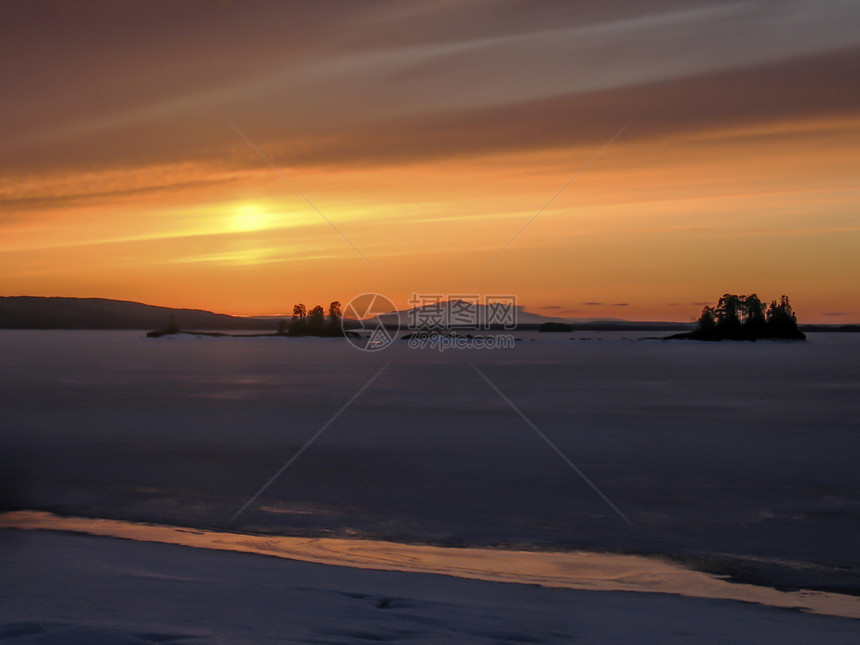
[250, 217]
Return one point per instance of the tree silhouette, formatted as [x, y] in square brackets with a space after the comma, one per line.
[781, 321]
[298, 326]
[335, 319]
[727, 314]
[744, 318]
[754, 317]
[316, 321]
[708, 320]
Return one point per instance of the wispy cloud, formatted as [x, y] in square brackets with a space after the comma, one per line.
[340, 90]
[47, 197]
[606, 304]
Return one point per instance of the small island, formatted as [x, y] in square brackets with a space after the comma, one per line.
[555, 327]
[745, 318]
[304, 323]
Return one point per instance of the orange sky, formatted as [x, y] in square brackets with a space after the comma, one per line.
[429, 135]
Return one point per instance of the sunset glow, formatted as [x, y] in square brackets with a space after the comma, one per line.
[428, 147]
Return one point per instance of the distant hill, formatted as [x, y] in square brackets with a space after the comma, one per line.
[28, 312]
[525, 320]
[451, 309]
[831, 328]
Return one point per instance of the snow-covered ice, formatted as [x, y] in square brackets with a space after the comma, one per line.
[78, 589]
[731, 458]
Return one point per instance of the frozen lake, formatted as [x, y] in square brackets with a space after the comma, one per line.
[734, 458]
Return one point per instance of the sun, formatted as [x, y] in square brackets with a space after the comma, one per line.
[249, 217]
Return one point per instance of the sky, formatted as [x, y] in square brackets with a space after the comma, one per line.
[244, 156]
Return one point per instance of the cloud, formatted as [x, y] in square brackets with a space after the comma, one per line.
[835, 313]
[558, 309]
[49, 198]
[411, 89]
[606, 304]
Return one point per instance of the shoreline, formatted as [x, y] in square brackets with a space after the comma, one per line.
[569, 570]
